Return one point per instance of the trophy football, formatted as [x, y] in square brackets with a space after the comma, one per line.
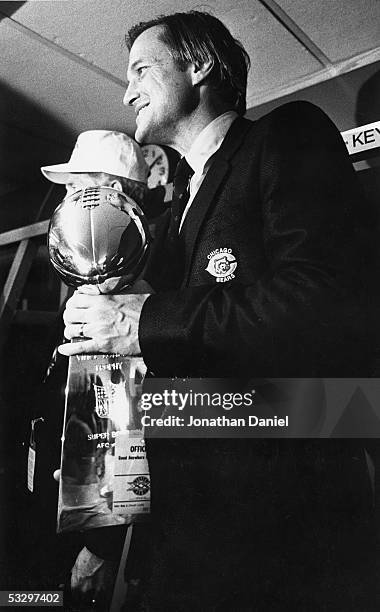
[98, 240]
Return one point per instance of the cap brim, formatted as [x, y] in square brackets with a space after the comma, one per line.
[57, 174]
[60, 173]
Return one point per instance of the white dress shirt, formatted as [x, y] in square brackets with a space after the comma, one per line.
[203, 148]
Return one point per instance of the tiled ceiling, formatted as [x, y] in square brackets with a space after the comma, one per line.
[341, 29]
[63, 63]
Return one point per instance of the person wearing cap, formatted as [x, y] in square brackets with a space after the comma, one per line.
[103, 157]
[112, 159]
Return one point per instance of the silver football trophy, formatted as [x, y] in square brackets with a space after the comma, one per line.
[98, 240]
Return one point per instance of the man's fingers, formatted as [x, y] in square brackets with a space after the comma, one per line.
[77, 330]
[77, 348]
[80, 299]
[75, 315]
[109, 324]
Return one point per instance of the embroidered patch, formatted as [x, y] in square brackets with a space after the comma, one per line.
[222, 264]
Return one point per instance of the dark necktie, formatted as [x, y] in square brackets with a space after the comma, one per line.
[181, 191]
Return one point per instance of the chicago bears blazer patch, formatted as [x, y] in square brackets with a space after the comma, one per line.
[221, 264]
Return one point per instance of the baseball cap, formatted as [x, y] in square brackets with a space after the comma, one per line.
[102, 151]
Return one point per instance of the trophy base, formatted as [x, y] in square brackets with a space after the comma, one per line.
[104, 471]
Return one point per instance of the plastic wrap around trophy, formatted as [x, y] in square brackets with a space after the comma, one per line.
[98, 240]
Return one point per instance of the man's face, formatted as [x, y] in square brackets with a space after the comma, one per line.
[162, 95]
[79, 181]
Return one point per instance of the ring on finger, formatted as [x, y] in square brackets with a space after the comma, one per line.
[81, 331]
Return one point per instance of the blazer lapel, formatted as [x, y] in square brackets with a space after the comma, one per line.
[206, 194]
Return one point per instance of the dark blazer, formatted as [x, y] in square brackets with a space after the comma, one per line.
[260, 524]
[282, 195]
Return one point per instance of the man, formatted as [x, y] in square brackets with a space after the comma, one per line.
[113, 159]
[258, 276]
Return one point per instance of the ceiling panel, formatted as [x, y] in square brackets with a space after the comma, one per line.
[94, 29]
[341, 28]
[78, 97]
[277, 58]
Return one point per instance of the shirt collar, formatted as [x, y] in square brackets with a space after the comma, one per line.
[209, 141]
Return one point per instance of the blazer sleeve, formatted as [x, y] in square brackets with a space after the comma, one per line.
[304, 316]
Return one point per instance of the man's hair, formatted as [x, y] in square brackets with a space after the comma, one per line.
[196, 37]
